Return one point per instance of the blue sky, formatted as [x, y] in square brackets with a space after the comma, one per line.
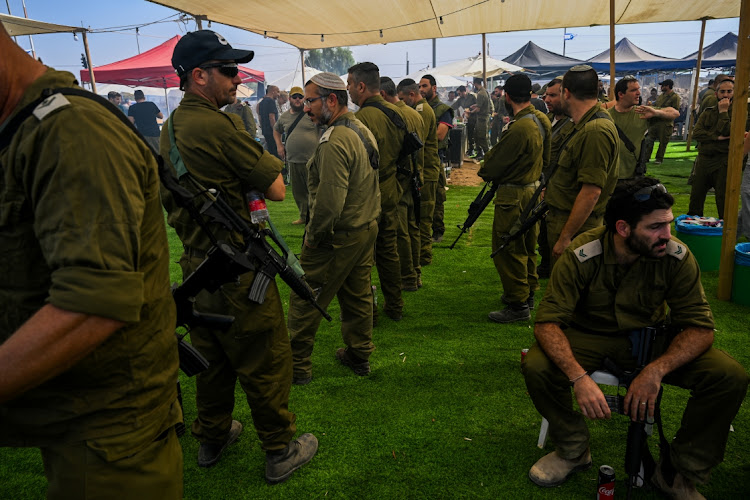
[275, 58]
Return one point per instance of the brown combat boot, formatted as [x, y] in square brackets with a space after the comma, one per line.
[281, 464]
[682, 488]
[553, 470]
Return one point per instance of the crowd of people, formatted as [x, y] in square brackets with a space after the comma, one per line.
[88, 360]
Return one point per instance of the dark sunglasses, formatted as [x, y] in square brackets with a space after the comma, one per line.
[230, 70]
[298, 96]
[645, 194]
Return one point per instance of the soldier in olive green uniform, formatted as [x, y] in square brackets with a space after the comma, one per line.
[712, 134]
[610, 282]
[562, 126]
[433, 192]
[408, 91]
[408, 225]
[364, 89]
[634, 120]
[662, 128]
[338, 252]
[255, 349]
[88, 357]
[244, 112]
[515, 163]
[482, 109]
[466, 100]
[587, 167]
[499, 115]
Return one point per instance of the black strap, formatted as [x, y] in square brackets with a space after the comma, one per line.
[392, 115]
[294, 124]
[372, 153]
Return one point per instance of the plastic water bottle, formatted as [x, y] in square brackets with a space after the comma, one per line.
[257, 205]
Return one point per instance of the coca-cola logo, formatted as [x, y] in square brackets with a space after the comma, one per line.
[607, 491]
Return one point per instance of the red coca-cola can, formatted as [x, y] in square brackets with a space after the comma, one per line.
[606, 488]
[524, 352]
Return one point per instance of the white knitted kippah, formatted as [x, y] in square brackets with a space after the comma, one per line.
[329, 81]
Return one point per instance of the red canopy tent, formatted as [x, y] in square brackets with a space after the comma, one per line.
[153, 68]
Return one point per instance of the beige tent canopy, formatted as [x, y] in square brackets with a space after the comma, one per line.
[19, 26]
[345, 23]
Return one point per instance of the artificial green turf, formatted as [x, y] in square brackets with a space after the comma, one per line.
[444, 413]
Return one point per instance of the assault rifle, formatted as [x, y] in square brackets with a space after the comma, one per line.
[639, 464]
[476, 208]
[536, 214]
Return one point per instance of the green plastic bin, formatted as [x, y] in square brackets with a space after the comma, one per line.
[704, 242]
[741, 279]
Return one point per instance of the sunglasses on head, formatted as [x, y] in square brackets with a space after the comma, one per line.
[645, 194]
[230, 70]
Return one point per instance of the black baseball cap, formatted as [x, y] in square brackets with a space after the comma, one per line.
[198, 47]
[667, 82]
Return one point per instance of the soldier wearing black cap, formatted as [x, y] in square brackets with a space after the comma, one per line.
[218, 152]
[662, 128]
[516, 162]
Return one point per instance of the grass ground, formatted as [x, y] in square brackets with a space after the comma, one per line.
[445, 413]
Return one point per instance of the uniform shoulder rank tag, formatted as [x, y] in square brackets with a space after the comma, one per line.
[420, 107]
[676, 250]
[590, 249]
[326, 135]
[50, 104]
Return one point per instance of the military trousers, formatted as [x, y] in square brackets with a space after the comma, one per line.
[481, 133]
[84, 470]
[659, 132]
[386, 246]
[710, 172]
[496, 129]
[516, 263]
[556, 220]
[717, 383]
[298, 173]
[340, 269]
[438, 224]
[471, 126]
[254, 350]
[408, 237]
[428, 192]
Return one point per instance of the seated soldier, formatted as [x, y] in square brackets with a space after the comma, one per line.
[610, 281]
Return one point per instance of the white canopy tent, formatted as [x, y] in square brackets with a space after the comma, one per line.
[294, 78]
[442, 81]
[475, 66]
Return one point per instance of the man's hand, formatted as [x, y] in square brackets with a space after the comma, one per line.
[560, 246]
[281, 151]
[642, 394]
[591, 399]
[646, 112]
[724, 105]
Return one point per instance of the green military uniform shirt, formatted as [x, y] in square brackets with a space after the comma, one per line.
[81, 228]
[244, 112]
[713, 124]
[666, 100]
[343, 185]
[414, 122]
[390, 138]
[301, 144]
[220, 154]
[440, 108]
[484, 103]
[432, 166]
[561, 129]
[466, 102]
[635, 128]
[591, 291]
[515, 159]
[590, 157]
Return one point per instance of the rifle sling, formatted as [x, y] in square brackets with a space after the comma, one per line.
[294, 124]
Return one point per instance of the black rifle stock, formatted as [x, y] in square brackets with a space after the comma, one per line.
[536, 214]
[639, 464]
[477, 207]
